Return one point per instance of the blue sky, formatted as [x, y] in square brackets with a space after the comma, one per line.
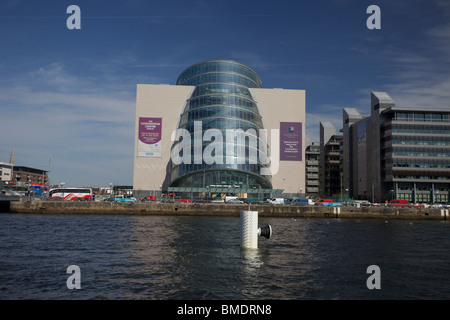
[69, 95]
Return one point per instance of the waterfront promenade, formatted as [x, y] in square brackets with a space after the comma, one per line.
[223, 209]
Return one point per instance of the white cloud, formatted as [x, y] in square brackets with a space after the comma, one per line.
[86, 129]
[313, 122]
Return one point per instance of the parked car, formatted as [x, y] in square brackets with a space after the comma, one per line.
[119, 199]
[235, 201]
[322, 201]
[184, 200]
[303, 202]
[399, 203]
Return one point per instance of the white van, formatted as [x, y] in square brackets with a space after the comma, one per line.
[230, 198]
[275, 201]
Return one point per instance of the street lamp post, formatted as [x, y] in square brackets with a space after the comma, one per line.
[373, 193]
[62, 188]
[43, 179]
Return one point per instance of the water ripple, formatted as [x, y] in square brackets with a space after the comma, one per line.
[168, 257]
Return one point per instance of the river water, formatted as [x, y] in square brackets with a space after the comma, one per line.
[186, 257]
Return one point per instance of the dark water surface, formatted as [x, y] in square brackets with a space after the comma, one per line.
[170, 257]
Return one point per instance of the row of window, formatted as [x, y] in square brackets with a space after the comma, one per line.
[220, 77]
[422, 116]
[222, 177]
[236, 143]
[442, 165]
[223, 99]
[220, 111]
[228, 151]
[423, 197]
[422, 140]
[401, 152]
[423, 186]
[183, 169]
[426, 189]
[419, 177]
[221, 66]
[223, 124]
[421, 129]
[223, 88]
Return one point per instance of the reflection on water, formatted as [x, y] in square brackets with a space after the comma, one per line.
[169, 257]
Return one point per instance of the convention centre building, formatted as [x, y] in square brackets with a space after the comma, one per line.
[217, 131]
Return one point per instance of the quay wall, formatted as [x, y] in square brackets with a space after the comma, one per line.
[218, 209]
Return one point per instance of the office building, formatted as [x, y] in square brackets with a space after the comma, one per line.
[6, 172]
[397, 152]
[330, 173]
[354, 164]
[312, 155]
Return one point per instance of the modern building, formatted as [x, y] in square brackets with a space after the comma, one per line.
[23, 178]
[312, 155]
[6, 172]
[397, 152]
[27, 178]
[218, 131]
[330, 173]
[354, 154]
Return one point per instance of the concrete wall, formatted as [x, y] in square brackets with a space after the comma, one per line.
[281, 105]
[157, 101]
[213, 209]
[379, 101]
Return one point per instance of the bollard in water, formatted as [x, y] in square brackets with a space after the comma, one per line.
[250, 230]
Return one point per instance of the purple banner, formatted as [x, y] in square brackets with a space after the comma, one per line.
[150, 130]
[149, 135]
[291, 141]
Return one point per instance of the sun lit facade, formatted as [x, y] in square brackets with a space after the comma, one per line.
[181, 127]
[221, 100]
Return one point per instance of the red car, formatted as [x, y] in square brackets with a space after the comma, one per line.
[184, 200]
[398, 203]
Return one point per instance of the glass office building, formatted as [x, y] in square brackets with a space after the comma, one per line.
[406, 154]
[416, 153]
[221, 101]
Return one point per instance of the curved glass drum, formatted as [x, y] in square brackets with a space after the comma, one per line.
[221, 104]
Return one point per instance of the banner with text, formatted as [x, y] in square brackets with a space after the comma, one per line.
[290, 141]
[149, 137]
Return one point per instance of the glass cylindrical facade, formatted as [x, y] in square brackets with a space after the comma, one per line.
[221, 102]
